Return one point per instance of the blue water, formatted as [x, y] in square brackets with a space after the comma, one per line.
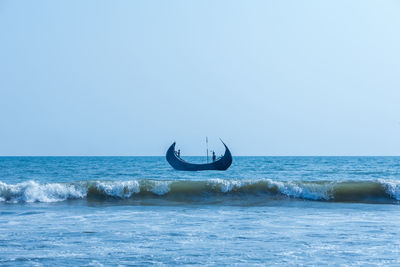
[95, 211]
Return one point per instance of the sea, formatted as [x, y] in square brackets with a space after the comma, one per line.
[262, 211]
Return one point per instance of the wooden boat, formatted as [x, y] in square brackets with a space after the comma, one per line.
[220, 164]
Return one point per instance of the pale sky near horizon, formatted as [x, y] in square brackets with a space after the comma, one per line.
[268, 77]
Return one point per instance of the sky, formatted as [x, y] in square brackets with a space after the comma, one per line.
[274, 78]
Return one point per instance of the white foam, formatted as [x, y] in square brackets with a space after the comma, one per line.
[226, 185]
[31, 191]
[122, 189]
[312, 191]
[161, 187]
[392, 187]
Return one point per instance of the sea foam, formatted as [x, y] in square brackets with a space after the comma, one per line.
[32, 191]
[392, 187]
[337, 191]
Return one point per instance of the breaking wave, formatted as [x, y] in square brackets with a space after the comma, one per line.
[379, 191]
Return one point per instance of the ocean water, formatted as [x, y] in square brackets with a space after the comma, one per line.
[102, 211]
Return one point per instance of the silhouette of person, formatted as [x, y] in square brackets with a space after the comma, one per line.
[213, 156]
[179, 153]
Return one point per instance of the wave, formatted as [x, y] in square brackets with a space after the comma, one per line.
[220, 190]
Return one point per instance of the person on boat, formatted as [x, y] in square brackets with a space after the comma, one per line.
[213, 156]
[178, 153]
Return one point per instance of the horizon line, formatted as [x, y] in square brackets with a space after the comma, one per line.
[9, 156]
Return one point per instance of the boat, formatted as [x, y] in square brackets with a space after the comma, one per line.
[220, 164]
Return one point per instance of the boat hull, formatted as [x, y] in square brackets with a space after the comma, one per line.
[177, 163]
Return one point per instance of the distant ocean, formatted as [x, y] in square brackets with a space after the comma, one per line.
[95, 211]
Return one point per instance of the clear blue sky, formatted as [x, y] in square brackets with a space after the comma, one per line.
[268, 77]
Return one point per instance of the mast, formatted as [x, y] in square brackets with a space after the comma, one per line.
[207, 147]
